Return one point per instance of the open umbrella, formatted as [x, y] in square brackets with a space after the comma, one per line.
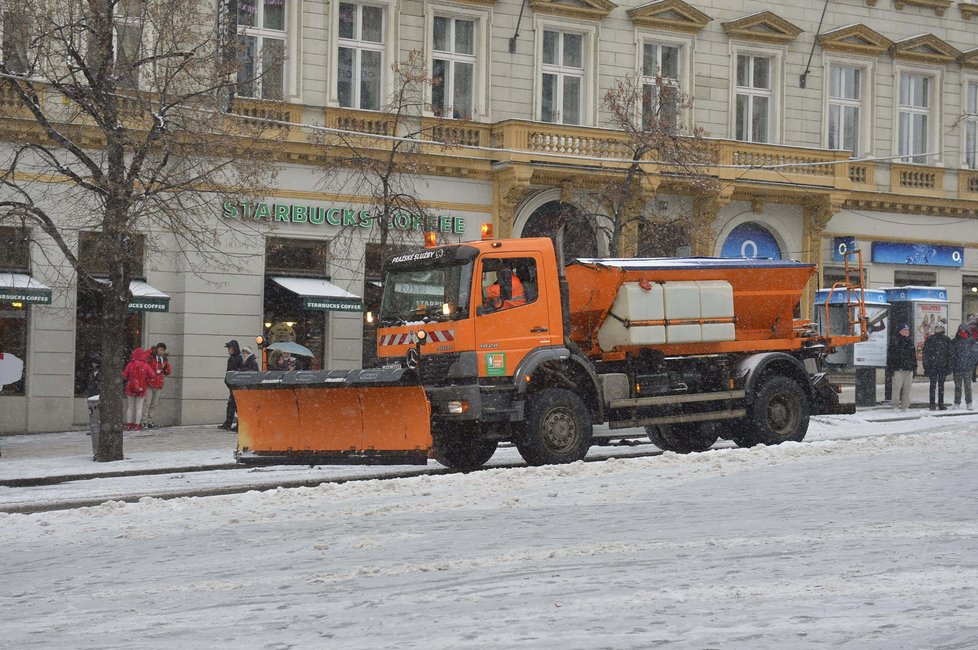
[291, 348]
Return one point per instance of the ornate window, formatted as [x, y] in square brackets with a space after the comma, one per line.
[360, 56]
[754, 98]
[16, 38]
[971, 124]
[845, 108]
[562, 77]
[262, 42]
[914, 116]
[661, 74]
[453, 67]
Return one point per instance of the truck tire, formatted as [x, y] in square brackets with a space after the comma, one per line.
[684, 438]
[557, 428]
[461, 448]
[778, 413]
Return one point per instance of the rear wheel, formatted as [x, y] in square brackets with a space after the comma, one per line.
[779, 413]
[684, 438]
[557, 428]
[461, 447]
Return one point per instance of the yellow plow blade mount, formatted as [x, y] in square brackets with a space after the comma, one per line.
[321, 417]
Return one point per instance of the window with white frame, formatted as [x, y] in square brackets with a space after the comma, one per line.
[661, 71]
[360, 56]
[754, 98]
[16, 38]
[562, 77]
[453, 67]
[845, 108]
[128, 41]
[971, 124]
[914, 116]
[261, 48]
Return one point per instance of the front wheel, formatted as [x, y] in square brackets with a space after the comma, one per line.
[779, 413]
[557, 428]
[461, 448]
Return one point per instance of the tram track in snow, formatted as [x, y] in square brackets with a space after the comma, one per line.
[262, 478]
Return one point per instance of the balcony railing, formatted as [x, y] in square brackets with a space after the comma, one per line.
[522, 141]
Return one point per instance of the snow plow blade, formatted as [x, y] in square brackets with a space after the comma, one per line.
[324, 417]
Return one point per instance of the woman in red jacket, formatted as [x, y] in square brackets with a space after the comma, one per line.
[138, 375]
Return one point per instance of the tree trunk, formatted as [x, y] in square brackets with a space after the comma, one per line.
[112, 398]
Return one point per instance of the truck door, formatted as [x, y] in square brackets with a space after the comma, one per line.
[512, 318]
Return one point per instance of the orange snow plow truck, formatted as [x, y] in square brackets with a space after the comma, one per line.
[494, 341]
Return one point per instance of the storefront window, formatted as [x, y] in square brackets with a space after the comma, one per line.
[88, 309]
[914, 279]
[14, 258]
[287, 317]
[969, 297]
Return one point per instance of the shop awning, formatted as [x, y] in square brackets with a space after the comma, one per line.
[145, 297]
[321, 295]
[20, 287]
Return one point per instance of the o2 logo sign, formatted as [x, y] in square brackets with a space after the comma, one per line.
[751, 240]
[841, 246]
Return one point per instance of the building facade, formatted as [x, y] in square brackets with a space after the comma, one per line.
[852, 125]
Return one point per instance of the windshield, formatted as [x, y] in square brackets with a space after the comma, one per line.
[426, 294]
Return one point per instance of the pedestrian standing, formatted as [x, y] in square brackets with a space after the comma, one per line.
[137, 374]
[901, 361]
[250, 362]
[235, 364]
[937, 364]
[964, 354]
[160, 364]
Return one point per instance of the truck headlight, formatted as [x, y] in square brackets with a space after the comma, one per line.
[458, 407]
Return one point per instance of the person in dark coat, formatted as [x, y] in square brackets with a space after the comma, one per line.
[937, 364]
[901, 360]
[250, 362]
[235, 364]
[964, 357]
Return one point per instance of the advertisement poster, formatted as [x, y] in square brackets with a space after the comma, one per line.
[872, 351]
[926, 316]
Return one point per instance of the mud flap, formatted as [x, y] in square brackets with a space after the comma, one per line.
[826, 399]
[376, 416]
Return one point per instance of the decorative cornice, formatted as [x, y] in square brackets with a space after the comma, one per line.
[671, 15]
[939, 6]
[969, 59]
[764, 27]
[925, 48]
[855, 39]
[478, 3]
[587, 9]
[968, 9]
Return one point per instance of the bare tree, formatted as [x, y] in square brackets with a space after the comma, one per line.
[120, 133]
[384, 156]
[660, 154]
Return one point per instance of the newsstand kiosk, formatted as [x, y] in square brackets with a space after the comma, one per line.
[922, 308]
[840, 308]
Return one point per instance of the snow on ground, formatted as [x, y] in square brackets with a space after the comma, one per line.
[865, 537]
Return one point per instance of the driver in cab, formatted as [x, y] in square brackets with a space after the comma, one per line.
[505, 292]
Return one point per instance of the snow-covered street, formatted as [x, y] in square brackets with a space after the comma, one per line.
[865, 537]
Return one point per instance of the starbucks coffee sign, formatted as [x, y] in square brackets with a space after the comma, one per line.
[337, 216]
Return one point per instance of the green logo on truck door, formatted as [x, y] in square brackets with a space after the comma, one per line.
[496, 364]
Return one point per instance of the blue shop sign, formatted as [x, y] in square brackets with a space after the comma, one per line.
[841, 246]
[873, 297]
[751, 240]
[919, 254]
[917, 294]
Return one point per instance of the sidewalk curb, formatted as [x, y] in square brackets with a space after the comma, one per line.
[38, 481]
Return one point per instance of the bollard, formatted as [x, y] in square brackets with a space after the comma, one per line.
[93, 422]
